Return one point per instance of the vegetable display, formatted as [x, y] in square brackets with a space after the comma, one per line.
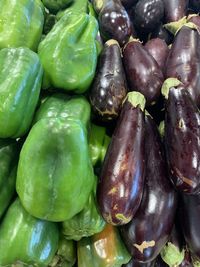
[99, 133]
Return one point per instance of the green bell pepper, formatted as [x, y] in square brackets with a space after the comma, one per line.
[55, 166]
[26, 239]
[21, 23]
[55, 5]
[20, 83]
[8, 170]
[69, 54]
[66, 254]
[77, 6]
[62, 105]
[98, 144]
[85, 223]
[104, 249]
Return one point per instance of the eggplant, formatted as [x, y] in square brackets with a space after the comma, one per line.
[147, 15]
[187, 262]
[194, 19]
[142, 71]
[152, 224]
[175, 9]
[133, 263]
[162, 33]
[114, 22]
[109, 87]
[128, 3]
[120, 187]
[159, 50]
[190, 221]
[160, 263]
[195, 5]
[183, 60]
[182, 139]
[173, 252]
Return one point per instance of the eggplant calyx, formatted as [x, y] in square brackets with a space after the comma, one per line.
[195, 262]
[175, 26]
[112, 42]
[169, 83]
[136, 99]
[161, 129]
[98, 5]
[131, 40]
[172, 255]
[192, 26]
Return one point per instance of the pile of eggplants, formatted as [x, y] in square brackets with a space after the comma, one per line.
[146, 92]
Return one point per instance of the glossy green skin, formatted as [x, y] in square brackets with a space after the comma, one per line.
[66, 254]
[55, 5]
[8, 170]
[98, 144]
[26, 239]
[62, 105]
[104, 249]
[54, 165]
[68, 53]
[21, 23]
[77, 6]
[87, 222]
[20, 83]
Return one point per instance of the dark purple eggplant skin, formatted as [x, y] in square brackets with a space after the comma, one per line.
[120, 187]
[175, 10]
[142, 71]
[190, 220]
[183, 61]
[187, 262]
[195, 5]
[182, 140]
[162, 33]
[152, 224]
[109, 87]
[114, 22]
[128, 3]
[160, 263]
[133, 263]
[195, 20]
[147, 15]
[159, 50]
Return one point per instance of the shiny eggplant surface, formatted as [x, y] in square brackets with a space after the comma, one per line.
[133, 263]
[114, 22]
[159, 51]
[175, 9]
[109, 87]
[190, 220]
[162, 33]
[183, 60]
[142, 71]
[149, 230]
[182, 140]
[120, 188]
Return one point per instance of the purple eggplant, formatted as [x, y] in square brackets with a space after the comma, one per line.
[147, 15]
[175, 9]
[133, 263]
[182, 139]
[162, 33]
[190, 220]
[152, 224]
[194, 19]
[158, 49]
[109, 87]
[142, 71]
[120, 187]
[128, 3]
[187, 262]
[114, 22]
[183, 61]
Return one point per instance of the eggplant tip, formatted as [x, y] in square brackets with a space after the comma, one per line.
[172, 255]
[136, 99]
[169, 83]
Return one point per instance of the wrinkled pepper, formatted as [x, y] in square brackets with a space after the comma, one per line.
[8, 170]
[98, 144]
[21, 23]
[87, 222]
[65, 255]
[63, 105]
[69, 54]
[26, 239]
[104, 249]
[20, 83]
[55, 5]
[55, 166]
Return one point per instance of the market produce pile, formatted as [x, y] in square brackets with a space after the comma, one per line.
[99, 133]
